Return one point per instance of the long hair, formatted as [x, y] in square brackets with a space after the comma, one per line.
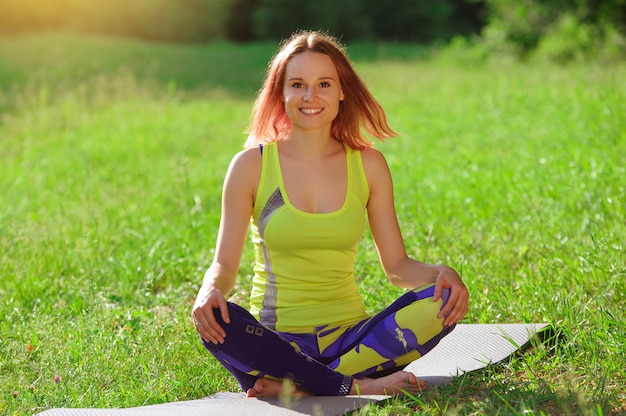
[269, 121]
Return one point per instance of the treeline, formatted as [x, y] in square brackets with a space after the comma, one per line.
[563, 29]
[246, 20]
[422, 21]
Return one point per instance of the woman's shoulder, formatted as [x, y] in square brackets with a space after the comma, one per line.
[376, 169]
[246, 165]
[247, 158]
[373, 160]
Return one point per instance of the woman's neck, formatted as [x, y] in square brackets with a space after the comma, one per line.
[311, 144]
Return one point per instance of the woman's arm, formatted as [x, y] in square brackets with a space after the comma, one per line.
[401, 270]
[238, 195]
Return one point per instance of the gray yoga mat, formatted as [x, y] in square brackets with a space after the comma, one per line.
[469, 347]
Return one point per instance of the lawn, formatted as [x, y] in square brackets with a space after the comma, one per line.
[113, 153]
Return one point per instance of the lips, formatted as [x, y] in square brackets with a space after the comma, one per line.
[311, 111]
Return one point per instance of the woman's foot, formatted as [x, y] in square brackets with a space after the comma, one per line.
[266, 387]
[394, 384]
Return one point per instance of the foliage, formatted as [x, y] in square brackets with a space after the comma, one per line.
[559, 30]
[423, 21]
[240, 22]
[275, 19]
[155, 20]
[113, 154]
[556, 30]
[243, 20]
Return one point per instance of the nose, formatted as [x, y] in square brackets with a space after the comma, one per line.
[308, 94]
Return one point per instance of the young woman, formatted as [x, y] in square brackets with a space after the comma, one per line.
[305, 183]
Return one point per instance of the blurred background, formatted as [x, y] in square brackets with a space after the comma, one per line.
[560, 30]
[119, 118]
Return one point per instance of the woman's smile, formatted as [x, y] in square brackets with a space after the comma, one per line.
[311, 111]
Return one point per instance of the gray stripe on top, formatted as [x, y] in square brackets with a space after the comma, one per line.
[267, 315]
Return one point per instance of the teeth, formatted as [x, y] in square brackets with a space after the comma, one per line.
[310, 110]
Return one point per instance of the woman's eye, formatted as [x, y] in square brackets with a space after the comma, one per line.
[325, 84]
[296, 85]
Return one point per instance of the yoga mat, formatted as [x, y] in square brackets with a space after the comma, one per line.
[234, 404]
[469, 347]
[472, 347]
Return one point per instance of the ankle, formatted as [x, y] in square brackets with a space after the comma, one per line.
[360, 386]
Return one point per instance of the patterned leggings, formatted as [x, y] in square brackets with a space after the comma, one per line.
[325, 362]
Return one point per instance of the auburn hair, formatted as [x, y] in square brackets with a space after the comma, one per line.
[359, 109]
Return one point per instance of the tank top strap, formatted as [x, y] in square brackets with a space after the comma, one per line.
[357, 179]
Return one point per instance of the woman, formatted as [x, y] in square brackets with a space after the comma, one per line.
[305, 182]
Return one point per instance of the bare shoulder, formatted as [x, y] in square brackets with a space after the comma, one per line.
[375, 164]
[246, 162]
[248, 158]
[244, 171]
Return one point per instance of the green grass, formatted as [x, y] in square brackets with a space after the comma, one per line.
[113, 153]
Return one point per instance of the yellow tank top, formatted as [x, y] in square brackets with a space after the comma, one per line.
[304, 262]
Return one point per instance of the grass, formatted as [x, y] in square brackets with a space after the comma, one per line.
[113, 153]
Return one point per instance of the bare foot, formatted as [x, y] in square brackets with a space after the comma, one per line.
[266, 387]
[394, 384]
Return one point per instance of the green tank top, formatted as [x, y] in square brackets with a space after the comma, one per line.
[304, 262]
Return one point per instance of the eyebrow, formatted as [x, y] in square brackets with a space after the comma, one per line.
[301, 79]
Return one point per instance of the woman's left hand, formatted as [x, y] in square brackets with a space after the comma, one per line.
[457, 305]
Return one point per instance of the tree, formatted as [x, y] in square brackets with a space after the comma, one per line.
[399, 20]
[559, 29]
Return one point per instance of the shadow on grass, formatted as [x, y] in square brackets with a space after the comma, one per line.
[522, 384]
[487, 392]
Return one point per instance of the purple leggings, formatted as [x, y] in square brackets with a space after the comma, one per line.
[326, 361]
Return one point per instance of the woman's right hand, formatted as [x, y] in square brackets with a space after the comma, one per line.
[203, 317]
[219, 280]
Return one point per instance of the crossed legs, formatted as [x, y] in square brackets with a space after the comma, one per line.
[261, 359]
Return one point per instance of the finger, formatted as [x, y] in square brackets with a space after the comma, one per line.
[224, 311]
[438, 290]
[458, 313]
[201, 329]
[208, 328]
[211, 335]
[451, 319]
[214, 327]
[200, 324]
[458, 309]
[452, 299]
[454, 318]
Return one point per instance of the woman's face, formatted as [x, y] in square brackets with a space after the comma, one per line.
[311, 91]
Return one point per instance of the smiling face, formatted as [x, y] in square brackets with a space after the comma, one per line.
[311, 92]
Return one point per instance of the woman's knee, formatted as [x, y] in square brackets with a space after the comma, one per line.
[235, 312]
[428, 291]
[240, 320]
